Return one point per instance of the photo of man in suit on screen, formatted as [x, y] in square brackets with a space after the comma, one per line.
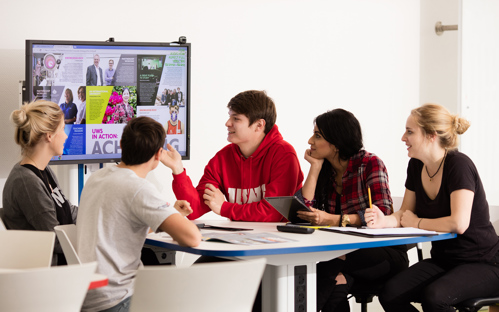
[94, 73]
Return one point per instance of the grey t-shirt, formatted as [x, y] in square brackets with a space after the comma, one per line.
[116, 210]
[29, 205]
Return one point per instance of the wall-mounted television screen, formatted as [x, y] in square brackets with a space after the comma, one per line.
[100, 86]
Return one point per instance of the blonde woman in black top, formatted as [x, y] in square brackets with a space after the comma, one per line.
[443, 193]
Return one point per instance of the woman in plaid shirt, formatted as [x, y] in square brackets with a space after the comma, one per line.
[341, 172]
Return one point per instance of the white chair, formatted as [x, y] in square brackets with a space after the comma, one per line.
[26, 249]
[221, 286]
[2, 225]
[494, 217]
[55, 289]
[67, 238]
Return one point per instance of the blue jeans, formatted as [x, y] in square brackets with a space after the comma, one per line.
[439, 288]
[123, 306]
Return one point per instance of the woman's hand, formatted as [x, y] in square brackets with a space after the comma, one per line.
[313, 161]
[375, 218]
[409, 219]
[316, 217]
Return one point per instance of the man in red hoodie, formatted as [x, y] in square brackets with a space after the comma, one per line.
[258, 163]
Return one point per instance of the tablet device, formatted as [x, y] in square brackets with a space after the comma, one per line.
[288, 206]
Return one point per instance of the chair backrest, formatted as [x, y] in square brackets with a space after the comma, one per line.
[494, 217]
[2, 225]
[67, 238]
[26, 249]
[52, 289]
[221, 286]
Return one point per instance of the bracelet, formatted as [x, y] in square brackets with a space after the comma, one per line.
[419, 222]
[345, 221]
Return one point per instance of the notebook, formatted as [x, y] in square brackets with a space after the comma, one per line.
[287, 207]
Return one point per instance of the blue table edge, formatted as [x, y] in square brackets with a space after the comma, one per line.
[301, 249]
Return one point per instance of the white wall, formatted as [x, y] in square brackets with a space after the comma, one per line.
[439, 54]
[310, 56]
[460, 70]
[480, 89]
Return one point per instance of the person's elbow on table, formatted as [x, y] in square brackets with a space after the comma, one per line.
[191, 240]
[182, 230]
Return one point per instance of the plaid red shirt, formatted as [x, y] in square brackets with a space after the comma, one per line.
[364, 170]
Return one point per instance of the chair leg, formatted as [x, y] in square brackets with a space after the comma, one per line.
[363, 300]
[363, 307]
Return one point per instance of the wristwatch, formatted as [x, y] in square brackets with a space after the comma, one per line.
[345, 221]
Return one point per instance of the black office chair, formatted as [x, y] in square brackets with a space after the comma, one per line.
[365, 295]
[473, 305]
[364, 292]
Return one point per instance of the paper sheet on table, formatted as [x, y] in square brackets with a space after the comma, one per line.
[388, 232]
[245, 238]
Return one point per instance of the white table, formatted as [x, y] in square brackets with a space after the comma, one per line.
[278, 284]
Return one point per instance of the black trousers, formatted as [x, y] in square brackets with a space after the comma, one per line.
[370, 264]
[439, 288]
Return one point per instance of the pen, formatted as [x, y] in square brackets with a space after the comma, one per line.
[370, 201]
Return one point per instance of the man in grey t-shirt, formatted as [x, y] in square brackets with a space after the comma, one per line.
[118, 207]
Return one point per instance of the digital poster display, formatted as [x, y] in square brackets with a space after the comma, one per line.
[102, 86]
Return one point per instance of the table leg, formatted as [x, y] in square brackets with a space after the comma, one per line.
[289, 288]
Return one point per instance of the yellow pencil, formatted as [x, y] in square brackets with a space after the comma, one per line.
[370, 201]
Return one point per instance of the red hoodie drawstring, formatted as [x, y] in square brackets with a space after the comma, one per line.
[242, 175]
[251, 171]
[242, 179]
